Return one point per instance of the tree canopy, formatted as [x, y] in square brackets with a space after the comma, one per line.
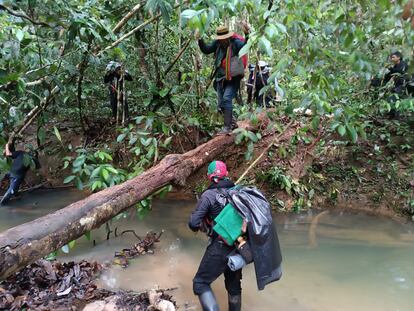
[324, 53]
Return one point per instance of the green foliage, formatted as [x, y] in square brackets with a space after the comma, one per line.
[323, 54]
[276, 177]
[93, 170]
[248, 138]
[162, 6]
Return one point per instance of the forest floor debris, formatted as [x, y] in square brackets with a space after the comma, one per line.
[144, 246]
[54, 285]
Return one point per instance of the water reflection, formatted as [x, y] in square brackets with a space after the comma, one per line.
[332, 261]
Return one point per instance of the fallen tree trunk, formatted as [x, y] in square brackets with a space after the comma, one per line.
[22, 245]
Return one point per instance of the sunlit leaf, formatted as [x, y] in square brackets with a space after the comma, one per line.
[57, 134]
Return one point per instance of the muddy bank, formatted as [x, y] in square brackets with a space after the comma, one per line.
[323, 170]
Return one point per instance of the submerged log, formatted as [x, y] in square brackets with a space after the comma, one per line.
[23, 244]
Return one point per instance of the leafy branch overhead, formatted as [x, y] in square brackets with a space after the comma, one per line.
[322, 56]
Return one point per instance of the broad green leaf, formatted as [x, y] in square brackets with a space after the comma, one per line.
[96, 185]
[164, 91]
[19, 34]
[41, 134]
[352, 133]
[252, 136]
[105, 174]
[95, 172]
[88, 235]
[315, 122]
[72, 244]
[188, 14]
[265, 46]
[146, 142]
[271, 31]
[239, 138]
[168, 141]
[112, 170]
[79, 161]
[282, 28]
[341, 130]
[246, 48]
[121, 137]
[69, 179]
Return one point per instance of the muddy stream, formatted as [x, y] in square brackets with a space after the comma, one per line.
[332, 261]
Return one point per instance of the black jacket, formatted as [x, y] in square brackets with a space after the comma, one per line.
[398, 71]
[258, 83]
[113, 79]
[220, 53]
[21, 163]
[209, 205]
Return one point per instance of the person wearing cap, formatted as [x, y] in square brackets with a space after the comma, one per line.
[225, 46]
[114, 78]
[257, 80]
[214, 261]
[22, 161]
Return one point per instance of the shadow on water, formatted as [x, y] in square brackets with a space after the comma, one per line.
[337, 261]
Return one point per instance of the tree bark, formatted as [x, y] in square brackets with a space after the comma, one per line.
[22, 245]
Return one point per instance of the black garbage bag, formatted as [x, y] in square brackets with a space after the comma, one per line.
[261, 230]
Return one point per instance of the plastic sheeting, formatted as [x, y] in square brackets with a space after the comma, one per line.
[262, 235]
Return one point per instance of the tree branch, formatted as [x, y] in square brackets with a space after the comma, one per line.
[32, 115]
[127, 17]
[127, 35]
[136, 29]
[177, 57]
[24, 16]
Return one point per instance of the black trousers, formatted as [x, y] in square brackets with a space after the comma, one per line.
[212, 265]
[113, 100]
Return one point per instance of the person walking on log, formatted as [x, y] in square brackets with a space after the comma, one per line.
[228, 70]
[22, 162]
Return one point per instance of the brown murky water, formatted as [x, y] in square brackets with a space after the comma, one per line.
[337, 261]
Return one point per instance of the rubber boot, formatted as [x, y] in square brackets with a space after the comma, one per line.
[227, 122]
[234, 302]
[208, 301]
